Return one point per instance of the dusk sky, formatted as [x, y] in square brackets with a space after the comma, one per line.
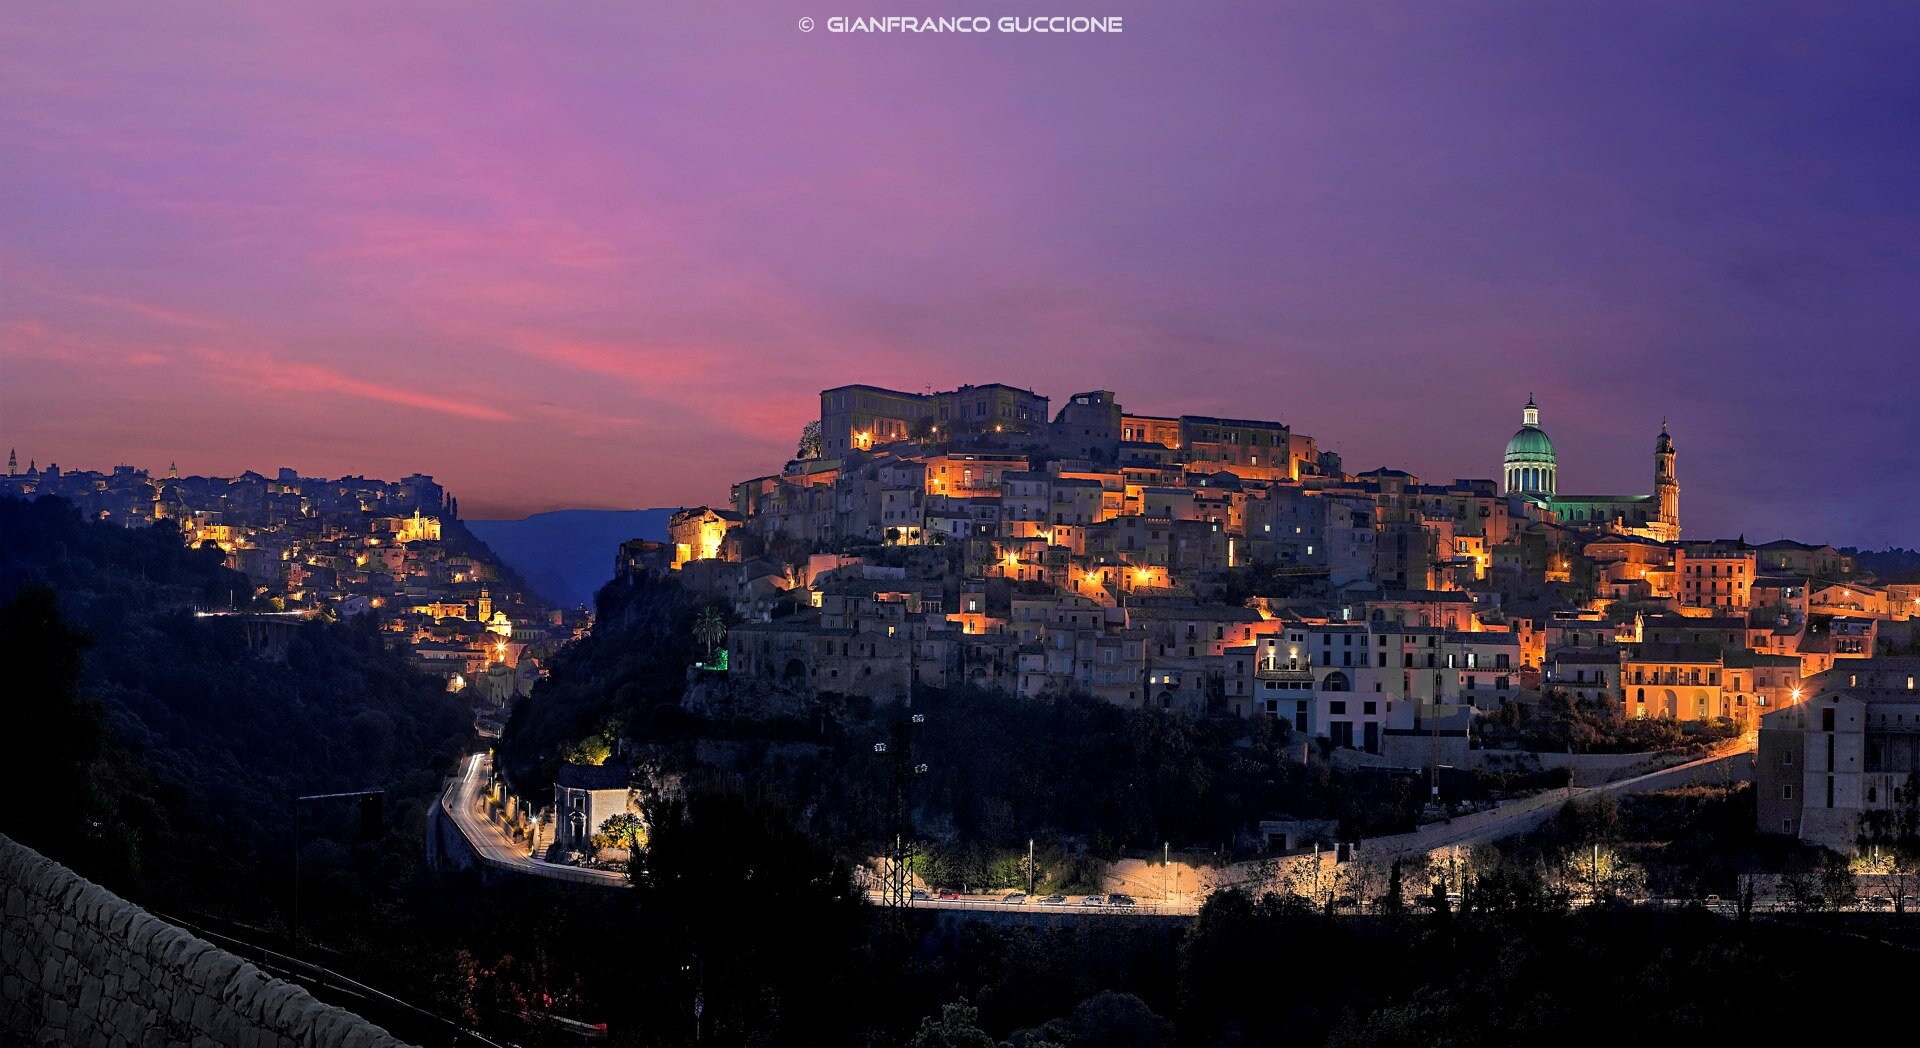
[605, 254]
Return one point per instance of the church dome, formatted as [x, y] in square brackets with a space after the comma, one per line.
[1529, 466]
[1530, 444]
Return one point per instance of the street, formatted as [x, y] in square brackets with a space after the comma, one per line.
[491, 843]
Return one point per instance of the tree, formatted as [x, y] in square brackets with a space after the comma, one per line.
[772, 914]
[1836, 882]
[621, 830]
[1395, 902]
[54, 735]
[957, 1026]
[1802, 891]
[810, 445]
[1113, 1020]
[710, 628]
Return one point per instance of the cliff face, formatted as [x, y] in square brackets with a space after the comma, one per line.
[81, 966]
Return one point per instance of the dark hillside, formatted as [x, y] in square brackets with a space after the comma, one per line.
[204, 734]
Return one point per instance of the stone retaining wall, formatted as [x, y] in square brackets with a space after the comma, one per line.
[82, 966]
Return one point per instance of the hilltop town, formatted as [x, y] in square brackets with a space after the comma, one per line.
[1228, 566]
[341, 548]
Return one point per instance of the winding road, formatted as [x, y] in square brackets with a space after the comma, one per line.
[490, 843]
[493, 847]
[1529, 813]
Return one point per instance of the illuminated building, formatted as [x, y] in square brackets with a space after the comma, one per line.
[700, 534]
[1715, 575]
[1851, 746]
[1530, 470]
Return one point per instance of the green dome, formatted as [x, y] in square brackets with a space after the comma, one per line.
[1531, 444]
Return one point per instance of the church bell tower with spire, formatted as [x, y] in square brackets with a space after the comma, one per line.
[1666, 488]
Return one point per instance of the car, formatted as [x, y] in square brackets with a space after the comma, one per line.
[1016, 898]
[1117, 899]
[948, 893]
[920, 896]
[1094, 900]
[1054, 900]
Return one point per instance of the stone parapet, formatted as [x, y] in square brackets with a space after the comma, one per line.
[82, 966]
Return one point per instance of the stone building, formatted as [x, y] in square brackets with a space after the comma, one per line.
[585, 796]
[702, 533]
[1850, 747]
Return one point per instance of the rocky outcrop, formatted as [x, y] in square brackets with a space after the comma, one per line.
[82, 966]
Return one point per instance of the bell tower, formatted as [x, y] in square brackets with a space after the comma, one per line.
[1666, 489]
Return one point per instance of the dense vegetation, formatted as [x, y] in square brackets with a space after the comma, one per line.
[188, 746]
[630, 669]
[1686, 843]
[1563, 723]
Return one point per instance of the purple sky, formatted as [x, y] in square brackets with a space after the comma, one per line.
[606, 254]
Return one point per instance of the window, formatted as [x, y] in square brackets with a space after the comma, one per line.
[1786, 793]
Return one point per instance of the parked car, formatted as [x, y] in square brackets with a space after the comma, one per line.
[1117, 899]
[1054, 900]
[949, 893]
[920, 896]
[1016, 898]
[1094, 900]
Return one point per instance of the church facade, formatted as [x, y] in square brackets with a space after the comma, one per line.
[1531, 471]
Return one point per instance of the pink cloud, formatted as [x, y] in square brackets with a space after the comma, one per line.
[256, 372]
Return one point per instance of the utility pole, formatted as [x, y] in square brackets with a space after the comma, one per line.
[1031, 879]
[897, 889]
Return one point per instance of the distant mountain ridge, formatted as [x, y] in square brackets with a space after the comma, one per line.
[567, 555]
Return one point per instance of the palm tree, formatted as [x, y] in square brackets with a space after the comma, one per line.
[710, 627]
